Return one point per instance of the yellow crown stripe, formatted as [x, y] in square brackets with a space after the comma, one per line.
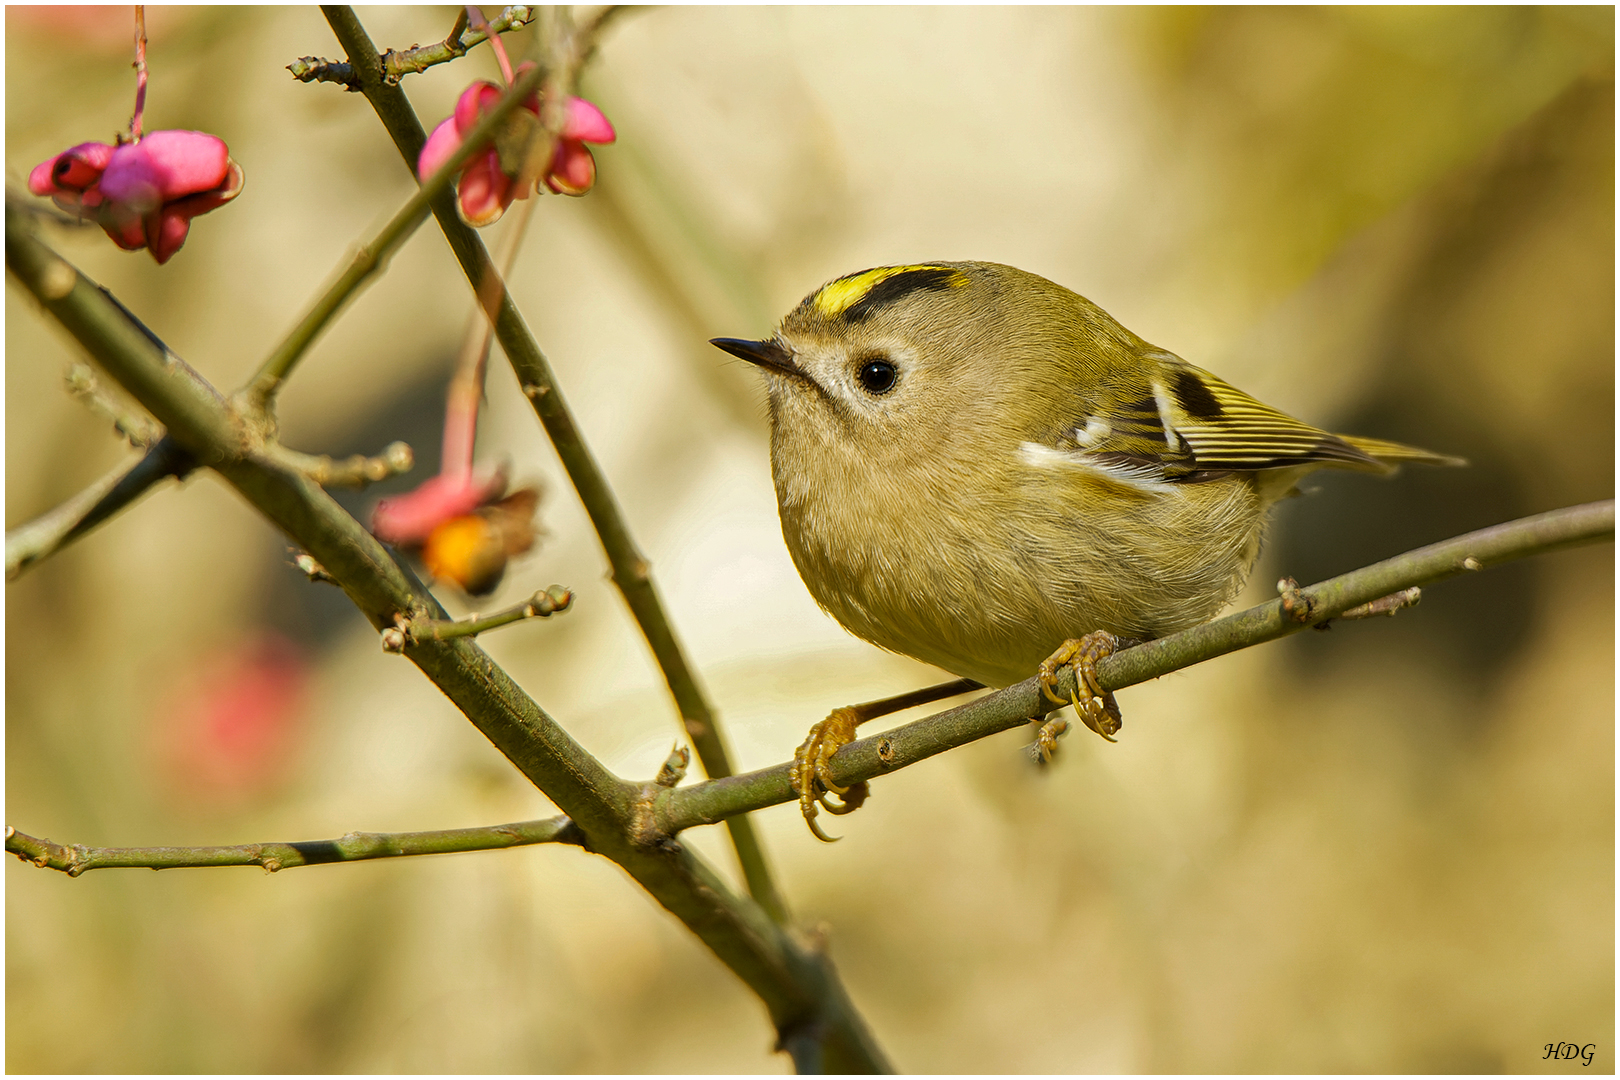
[839, 296]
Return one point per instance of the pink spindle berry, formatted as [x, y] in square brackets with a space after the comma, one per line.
[485, 190]
[143, 194]
[573, 169]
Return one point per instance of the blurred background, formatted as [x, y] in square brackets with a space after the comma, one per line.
[1384, 848]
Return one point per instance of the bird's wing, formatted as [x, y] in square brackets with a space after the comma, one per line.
[1192, 426]
[1226, 429]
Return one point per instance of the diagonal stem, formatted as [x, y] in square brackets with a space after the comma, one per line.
[793, 978]
[56, 529]
[466, 391]
[140, 74]
[543, 603]
[631, 571]
[480, 25]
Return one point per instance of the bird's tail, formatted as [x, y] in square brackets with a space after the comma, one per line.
[1394, 453]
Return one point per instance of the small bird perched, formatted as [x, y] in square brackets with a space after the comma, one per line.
[975, 467]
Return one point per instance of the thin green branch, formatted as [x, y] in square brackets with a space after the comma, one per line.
[714, 800]
[544, 603]
[355, 471]
[141, 432]
[396, 64]
[792, 976]
[56, 529]
[75, 859]
[374, 256]
[630, 569]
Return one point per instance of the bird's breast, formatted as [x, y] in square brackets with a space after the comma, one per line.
[985, 572]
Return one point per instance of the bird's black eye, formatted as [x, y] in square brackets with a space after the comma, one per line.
[877, 376]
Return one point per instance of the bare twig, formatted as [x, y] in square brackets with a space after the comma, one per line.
[414, 631]
[139, 431]
[466, 390]
[479, 23]
[673, 770]
[51, 532]
[75, 859]
[355, 471]
[452, 40]
[396, 64]
[140, 77]
[631, 571]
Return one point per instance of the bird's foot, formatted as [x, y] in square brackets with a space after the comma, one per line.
[1045, 746]
[1095, 706]
[812, 775]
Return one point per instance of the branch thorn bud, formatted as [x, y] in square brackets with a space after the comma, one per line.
[306, 564]
[673, 770]
[57, 280]
[399, 457]
[1295, 604]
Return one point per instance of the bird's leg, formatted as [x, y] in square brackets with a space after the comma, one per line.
[812, 771]
[1095, 706]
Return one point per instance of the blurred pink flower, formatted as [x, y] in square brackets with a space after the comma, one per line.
[463, 530]
[78, 28]
[233, 716]
[145, 193]
[485, 190]
[410, 519]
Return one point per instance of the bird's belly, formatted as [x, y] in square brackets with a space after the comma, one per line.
[987, 592]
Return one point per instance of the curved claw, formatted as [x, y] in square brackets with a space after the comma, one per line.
[810, 820]
[1100, 712]
[804, 782]
[1044, 748]
[812, 773]
[1092, 714]
[1048, 673]
[1063, 657]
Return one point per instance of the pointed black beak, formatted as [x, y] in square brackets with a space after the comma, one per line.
[769, 353]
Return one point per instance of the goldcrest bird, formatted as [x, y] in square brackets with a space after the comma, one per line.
[978, 468]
